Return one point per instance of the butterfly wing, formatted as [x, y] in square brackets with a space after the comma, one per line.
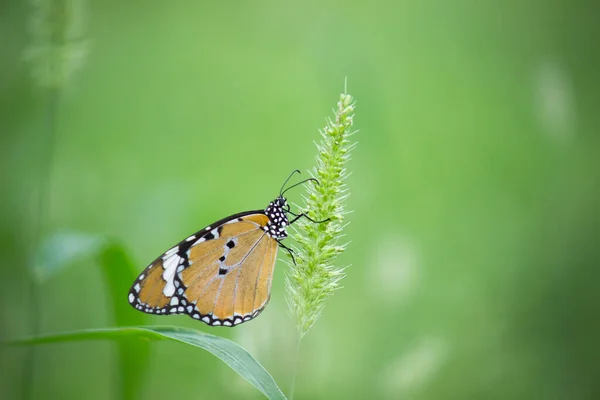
[221, 275]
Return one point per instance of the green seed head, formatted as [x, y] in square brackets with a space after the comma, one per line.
[315, 277]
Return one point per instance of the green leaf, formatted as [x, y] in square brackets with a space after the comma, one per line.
[133, 355]
[65, 248]
[62, 249]
[229, 352]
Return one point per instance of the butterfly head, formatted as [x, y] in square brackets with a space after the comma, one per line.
[278, 222]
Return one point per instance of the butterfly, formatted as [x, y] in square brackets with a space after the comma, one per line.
[222, 274]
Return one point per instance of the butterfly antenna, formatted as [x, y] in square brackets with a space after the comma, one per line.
[300, 183]
[281, 192]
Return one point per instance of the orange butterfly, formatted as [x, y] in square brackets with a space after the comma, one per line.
[222, 274]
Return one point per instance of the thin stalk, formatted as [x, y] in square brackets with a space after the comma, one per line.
[40, 223]
[295, 367]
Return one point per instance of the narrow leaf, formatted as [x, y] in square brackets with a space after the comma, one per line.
[229, 352]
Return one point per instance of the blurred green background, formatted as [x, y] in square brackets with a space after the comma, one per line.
[475, 187]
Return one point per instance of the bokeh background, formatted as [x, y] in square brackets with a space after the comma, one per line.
[475, 186]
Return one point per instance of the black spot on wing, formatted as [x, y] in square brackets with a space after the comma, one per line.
[209, 236]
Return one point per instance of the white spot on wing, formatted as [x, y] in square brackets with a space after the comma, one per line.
[131, 297]
[174, 301]
[206, 319]
[168, 275]
[137, 287]
[170, 252]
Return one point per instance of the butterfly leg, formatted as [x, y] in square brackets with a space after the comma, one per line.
[298, 216]
[288, 250]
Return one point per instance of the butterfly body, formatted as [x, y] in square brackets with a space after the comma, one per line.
[222, 274]
[276, 226]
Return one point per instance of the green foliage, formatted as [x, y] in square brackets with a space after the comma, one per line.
[229, 352]
[63, 249]
[58, 46]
